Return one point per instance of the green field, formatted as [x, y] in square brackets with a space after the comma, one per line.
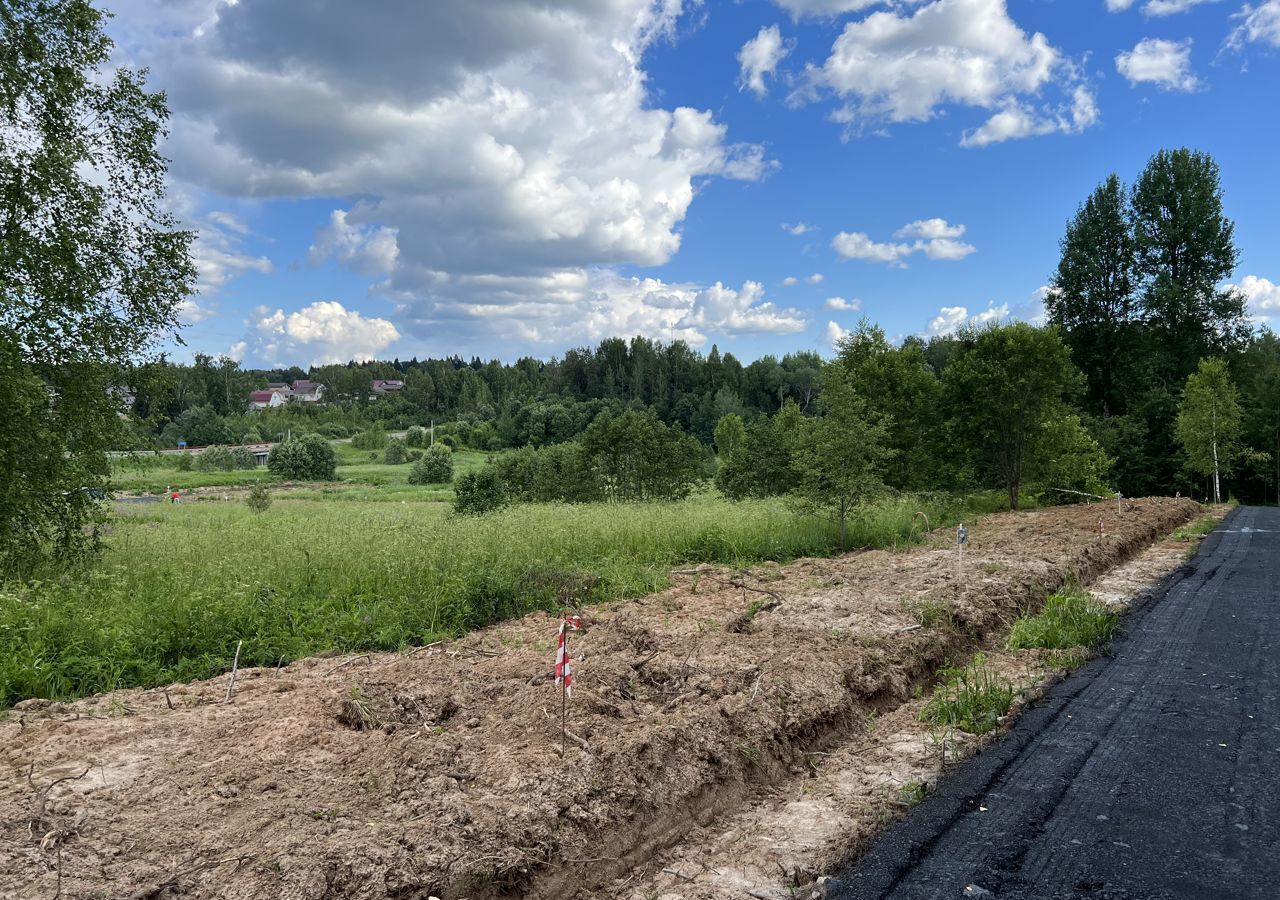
[149, 475]
[178, 586]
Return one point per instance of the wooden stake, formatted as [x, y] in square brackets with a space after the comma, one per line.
[235, 665]
[564, 694]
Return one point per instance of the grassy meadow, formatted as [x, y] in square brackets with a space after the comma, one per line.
[178, 586]
[362, 468]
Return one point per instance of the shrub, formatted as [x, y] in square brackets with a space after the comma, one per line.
[639, 458]
[373, 438]
[415, 455]
[243, 458]
[560, 472]
[184, 462]
[252, 436]
[416, 436]
[334, 430]
[477, 493]
[396, 453]
[435, 467]
[215, 459]
[307, 457]
[449, 441]
[1070, 619]
[259, 498]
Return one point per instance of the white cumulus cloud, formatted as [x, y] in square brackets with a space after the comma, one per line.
[825, 9]
[1170, 7]
[840, 304]
[513, 140]
[1166, 64]
[815, 278]
[835, 334]
[1262, 295]
[1119, 5]
[935, 238]
[950, 318]
[322, 333]
[1019, 120]
[759, 57]
[797, 229]
[906, 66]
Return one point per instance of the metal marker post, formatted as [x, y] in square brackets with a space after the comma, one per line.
[962, 537]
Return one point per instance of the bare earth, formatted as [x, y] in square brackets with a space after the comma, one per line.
[737, 742]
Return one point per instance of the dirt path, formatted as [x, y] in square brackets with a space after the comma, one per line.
[439, 772]
[1150, 776]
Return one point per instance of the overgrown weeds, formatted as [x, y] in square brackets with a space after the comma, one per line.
[1193, 531]
[1073, 618]
[178, 586]
[971, 698]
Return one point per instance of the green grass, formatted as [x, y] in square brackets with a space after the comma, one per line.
[1194, 531]
[177, 587]
[972, 698]
[1069, 619]
[354, 468]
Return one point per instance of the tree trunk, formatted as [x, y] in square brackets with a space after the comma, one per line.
[1217, 489]
[1013, 495]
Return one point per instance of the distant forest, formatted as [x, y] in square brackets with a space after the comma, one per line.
[1136, 309]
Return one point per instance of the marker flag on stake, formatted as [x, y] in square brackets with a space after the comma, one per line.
[564, 669]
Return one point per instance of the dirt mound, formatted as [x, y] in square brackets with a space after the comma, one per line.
[439, 772]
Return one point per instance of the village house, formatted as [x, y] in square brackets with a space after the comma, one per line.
[387, 386]
[305, 391]
[264, 399]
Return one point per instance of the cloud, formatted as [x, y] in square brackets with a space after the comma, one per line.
[218, 255]
[1166, 64]
[1018, 120]
[935, 238]
[842, 305]
[789, 281]
[835, 334]
[760, 57]
[1259, 24]
[798, 229]
[905, 67]
[324, 333]
[826, 9]
[368, 249]
[1262, 295]
[857, 245]
[815, 278]
[1170, 7]
[190, 312]
[952, 318]
[546, 313]
[930, 229]
[1118, 5]
[508, 140]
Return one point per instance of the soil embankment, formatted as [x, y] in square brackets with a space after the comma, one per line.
[439, 772]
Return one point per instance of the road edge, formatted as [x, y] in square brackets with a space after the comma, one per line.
[873, 874]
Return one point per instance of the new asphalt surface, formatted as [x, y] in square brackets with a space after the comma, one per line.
[1151, 774]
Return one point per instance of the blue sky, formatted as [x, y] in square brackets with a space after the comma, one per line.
[516, 177]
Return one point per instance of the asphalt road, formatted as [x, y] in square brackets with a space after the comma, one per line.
[1151, 774]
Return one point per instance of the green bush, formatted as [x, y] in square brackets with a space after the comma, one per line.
[259, 498]
[334, 430]
[307, 457]
[477, 493]
[1070, 619]
[558, 473]
[243, 458]
[396, 452]
[215, 459]
[372, 438]
[415, 455]
[416, 436]
[184, 462]
[449, 441]
[435, 467]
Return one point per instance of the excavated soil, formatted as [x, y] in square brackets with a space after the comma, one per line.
[439, 772]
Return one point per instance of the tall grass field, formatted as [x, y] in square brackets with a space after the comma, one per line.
[178, 586]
